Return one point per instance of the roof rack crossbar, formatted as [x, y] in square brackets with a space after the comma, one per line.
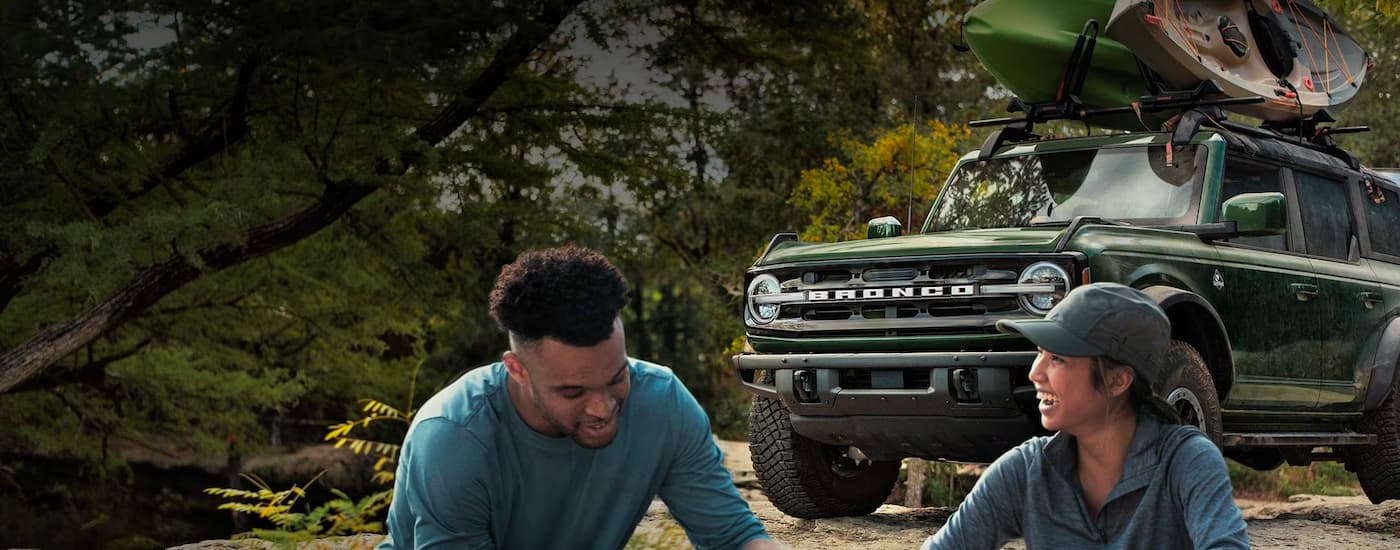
[1166, 101]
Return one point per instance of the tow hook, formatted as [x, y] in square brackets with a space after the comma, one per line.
[804, 384]
[965, 385]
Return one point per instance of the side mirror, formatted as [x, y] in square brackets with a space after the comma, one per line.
[1257, 214]
[887, 226]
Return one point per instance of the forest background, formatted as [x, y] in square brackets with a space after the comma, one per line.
[223, 224]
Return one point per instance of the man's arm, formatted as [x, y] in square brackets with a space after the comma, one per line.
[440, 497]
[1202, 482]
[990, 515]
[698, 490]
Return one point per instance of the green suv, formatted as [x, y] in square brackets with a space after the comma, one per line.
[1277, 260]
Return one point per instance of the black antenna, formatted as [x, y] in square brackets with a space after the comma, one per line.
[913, 142]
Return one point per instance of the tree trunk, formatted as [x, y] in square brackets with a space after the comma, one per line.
[640, 332]
[915, 469]
[232, 468]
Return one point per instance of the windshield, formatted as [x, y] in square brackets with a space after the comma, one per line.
[1132, 184]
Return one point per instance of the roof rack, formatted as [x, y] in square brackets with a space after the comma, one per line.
[1195, 106]
[1016, 129]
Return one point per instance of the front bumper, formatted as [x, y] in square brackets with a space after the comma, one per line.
[972, 407]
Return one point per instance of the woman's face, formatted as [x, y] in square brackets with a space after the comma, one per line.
[1069, 402]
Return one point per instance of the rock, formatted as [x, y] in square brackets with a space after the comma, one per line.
[364, 541]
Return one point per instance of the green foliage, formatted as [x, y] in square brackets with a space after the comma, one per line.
[341, 515]
[945, 483]
[1385, 8]
[388, 453]
[888, 176]
[338, 516]
[679, 175]
[1318, 478]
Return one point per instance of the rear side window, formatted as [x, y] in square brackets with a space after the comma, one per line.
[1382, 218]
[1242, 177]
[1326, 214]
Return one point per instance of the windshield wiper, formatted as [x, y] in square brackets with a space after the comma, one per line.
[1078, 222]
[1087, 219]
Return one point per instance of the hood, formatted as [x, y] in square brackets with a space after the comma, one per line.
[972, 241]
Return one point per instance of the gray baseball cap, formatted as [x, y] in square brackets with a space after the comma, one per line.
[1103, 319]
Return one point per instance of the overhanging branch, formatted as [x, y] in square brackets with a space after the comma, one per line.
[89, 373]
[218, 139]
[148, 287]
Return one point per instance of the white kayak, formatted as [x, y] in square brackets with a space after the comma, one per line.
[1290, 52]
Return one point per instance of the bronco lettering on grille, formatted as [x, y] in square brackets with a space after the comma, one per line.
[909, 292]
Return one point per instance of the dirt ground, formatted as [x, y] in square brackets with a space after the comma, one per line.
[1306, 521]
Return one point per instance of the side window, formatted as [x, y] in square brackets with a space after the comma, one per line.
[1243, 177]
[1382, 218]
[1327, 226]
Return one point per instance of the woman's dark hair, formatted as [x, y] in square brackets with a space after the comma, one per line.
[571, 294]
[1140, 394]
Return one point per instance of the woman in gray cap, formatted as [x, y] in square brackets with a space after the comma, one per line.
[1120, 472]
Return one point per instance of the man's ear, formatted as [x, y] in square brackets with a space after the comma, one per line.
[515, 368]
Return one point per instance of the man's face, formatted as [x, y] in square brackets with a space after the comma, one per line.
[572, 391]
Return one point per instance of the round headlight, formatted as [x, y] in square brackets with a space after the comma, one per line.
[1039, 274]
[763, 285]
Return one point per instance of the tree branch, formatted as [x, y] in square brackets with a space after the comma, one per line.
[191, 155]
[90, 374]
[12, 279]
[148, 287]
[217, 140]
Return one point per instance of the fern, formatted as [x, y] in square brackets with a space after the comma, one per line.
[340, 515]
[374, 411]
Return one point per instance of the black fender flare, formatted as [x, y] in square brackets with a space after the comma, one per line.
[1381, 363]
[1217, 354]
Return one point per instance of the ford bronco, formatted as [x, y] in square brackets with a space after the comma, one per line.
[1276, 258]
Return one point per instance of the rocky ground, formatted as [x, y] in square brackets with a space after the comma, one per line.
[1305, 521]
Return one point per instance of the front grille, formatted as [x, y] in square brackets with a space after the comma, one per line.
[826, 276]
[898, 311]
[902, 298]
[897, 274]
[907, 310]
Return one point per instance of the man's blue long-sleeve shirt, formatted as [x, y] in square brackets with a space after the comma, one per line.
[472, 474]
[1174, 493]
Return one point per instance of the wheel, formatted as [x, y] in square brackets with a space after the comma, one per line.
[807, 479]
[1378, 466]
[1190, 390]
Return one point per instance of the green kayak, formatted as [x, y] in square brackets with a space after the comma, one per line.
[1025, 44]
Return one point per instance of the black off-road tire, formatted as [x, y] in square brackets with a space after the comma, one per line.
[1378, 466]
[803, 478]
[1190, 390]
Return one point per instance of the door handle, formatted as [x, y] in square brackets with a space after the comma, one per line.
[1304, 291]
[1370, 299]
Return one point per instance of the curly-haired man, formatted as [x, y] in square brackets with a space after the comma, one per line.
[564, 443]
